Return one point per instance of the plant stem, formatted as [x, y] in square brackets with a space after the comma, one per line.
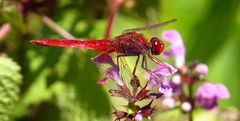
[50, 23]
[4, 30]
[109, 25]
[191, 101]
[114, 6]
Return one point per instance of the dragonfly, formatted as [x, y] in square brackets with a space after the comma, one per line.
[130, 43]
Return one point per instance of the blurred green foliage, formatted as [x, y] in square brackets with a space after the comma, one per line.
[60, 83]
[10, 80]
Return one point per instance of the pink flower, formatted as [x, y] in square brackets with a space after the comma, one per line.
[158, 77]
[177, 49]
[208, 94]
[112, 72]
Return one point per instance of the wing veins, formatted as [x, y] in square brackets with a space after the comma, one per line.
[151, 26]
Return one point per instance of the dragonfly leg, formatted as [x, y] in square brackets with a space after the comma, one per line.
[144, 64]
[154, 59]
[135, 66]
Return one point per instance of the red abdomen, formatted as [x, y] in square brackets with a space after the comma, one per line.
[101, 45]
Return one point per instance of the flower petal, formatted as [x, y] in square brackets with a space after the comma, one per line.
[178, 53]
[207, 90]
[172, 36]
[102, 81]
[113, 73]
[208, 94]
[159, 75]
[154, 79]
[177, 50]
[103, 59]
[166, 54]
[222, 92]
[164, 69]
[165, 89]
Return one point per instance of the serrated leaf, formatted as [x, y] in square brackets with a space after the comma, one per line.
[10, 79]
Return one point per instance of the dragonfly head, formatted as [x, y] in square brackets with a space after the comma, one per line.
[157, 46]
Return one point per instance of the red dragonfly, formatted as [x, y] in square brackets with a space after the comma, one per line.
[129, 43]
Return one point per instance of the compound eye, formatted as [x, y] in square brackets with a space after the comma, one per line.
[157, 46]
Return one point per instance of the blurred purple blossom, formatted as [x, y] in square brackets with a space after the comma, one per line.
[176, 83]
[208, 94]
[169, 102]
[177, 49]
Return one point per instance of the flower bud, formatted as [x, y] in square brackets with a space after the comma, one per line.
[176, 79]
[168, 102]
[201, 69]
[186, 106]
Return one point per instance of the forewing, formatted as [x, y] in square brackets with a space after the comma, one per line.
[151, 26]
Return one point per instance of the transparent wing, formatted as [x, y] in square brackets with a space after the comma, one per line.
[151, 26]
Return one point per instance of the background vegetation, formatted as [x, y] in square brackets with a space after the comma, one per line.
[60, 83]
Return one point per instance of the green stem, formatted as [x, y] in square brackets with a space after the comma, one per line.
[191, 101]
[114, 6]
[51, 24]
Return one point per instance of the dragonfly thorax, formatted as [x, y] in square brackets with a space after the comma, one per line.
[131, 43]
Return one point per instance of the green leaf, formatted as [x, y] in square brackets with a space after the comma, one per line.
[10, 79]
[82, 98]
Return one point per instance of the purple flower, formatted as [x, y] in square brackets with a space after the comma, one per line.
[208, 94]
[112, 72]
[103, 59]
[165, 88]
[176, 83]
[177, 49]
[158, 77]
[201, 69]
